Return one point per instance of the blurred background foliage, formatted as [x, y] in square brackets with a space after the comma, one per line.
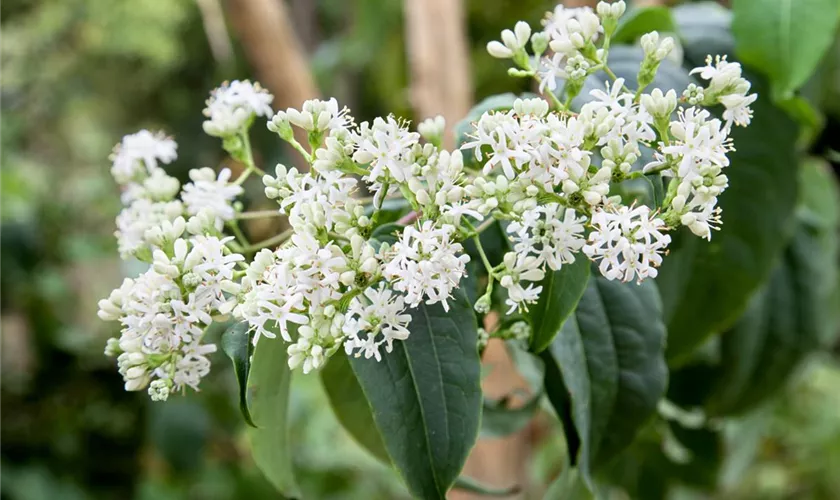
[76, 76]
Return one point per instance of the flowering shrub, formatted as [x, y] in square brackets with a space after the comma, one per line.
[541, 180]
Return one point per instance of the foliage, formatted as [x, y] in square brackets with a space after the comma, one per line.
[713, 377]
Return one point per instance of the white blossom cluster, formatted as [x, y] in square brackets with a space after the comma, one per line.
[339, 286]
[178, 231]
[339, 278]
[232, 107]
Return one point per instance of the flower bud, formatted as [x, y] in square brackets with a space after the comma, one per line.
[498, 50]
[280, 125]
[539, 42]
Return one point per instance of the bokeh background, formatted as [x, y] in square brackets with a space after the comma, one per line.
[79, 74]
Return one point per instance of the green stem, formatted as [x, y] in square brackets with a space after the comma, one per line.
[558, 106]
[484, 258]
[300, 149]
[259, 214]
[249, 156]
[377, 209]
[482, 227]
[612, 75]
[240, 236]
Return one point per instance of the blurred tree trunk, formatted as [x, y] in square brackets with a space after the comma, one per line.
[441, 80]
[268, 37]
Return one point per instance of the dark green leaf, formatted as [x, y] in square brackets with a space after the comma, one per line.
[180, 430]
[704, 30]
[268, 385]
[782, 325]
[819, 209]
[471, 485]
[610, 354]
[426, 397]
[388, 233]
[561, 292]
[236, 343]
[350, 406]
[785, 39]
[561, 401]
[706, 285]
[639, 21]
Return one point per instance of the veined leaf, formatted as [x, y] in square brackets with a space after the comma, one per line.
[426, 396]
[784, 39]
[610, 355]
[782, 325]
[561, 292]
[706, 284]
[268, 385]
[350, 406]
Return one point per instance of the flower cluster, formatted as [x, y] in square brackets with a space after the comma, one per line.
[339, 278]
[178, 232]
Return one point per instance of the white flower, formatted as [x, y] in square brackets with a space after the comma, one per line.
[162, 326]
[319, 116]
[512, 41]
[384, 145]
[137, 155]
[432, 129]
[550, 232]
[628, 242]
[550, 71]
[377, 318]
[727, 87]
[207, 192]
[135, 220]
[572, 29]
[699, 140]
[314, 200]
[232, 106]
[737, 109]
[425, 264]
[655, 48]
[316, 341]
[520, 268]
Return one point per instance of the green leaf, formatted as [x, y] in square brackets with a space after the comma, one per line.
[426, 397]
[783, 38]
[610, 355]
[236, 343]
[471, 485]
[704, 30]
[706, 285]
[820, 209]
[268, 385]
[350, 406]
[561, 292]
[388, 233]
[569, 486]
[639, 21]
[782, 325]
